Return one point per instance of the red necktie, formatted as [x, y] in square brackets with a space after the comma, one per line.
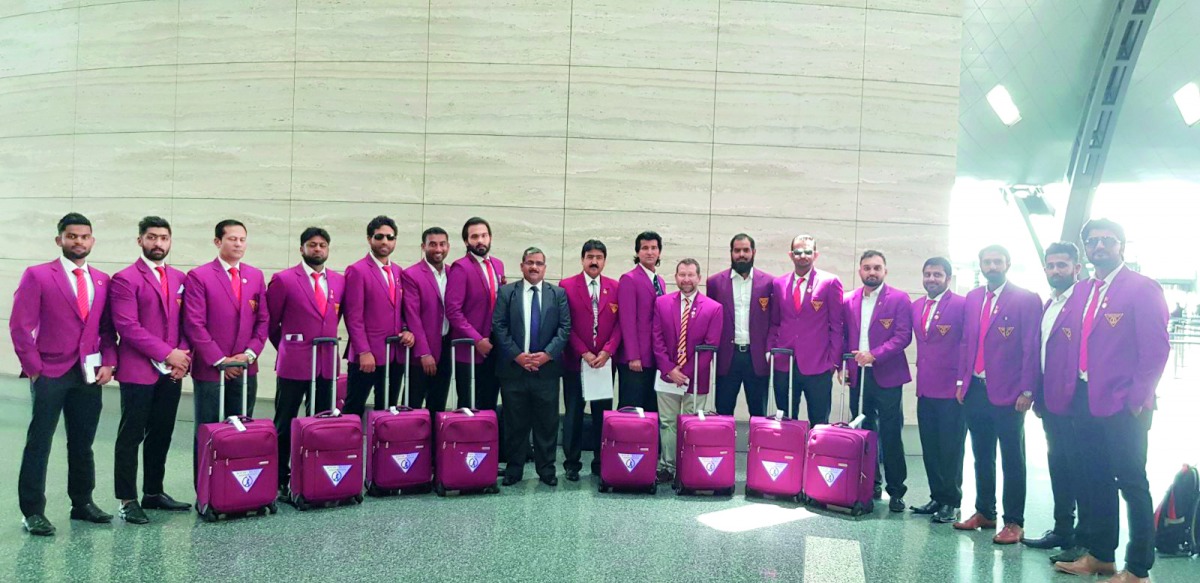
[81, 295]
[491, 282]
[236, 281]
[925, 316]
[387, 274]
[796, 296]
[985, 321]
[317, 295]
[162, 279]
[1088, 317]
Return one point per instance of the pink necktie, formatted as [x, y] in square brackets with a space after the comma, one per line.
[797, 299]
[317, 295]
[925, 315]
[162, 278]
[985, 321]
[235, 280]
[1088, 317]
[81, 295]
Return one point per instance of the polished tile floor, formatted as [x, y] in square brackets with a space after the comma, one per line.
[531, 532]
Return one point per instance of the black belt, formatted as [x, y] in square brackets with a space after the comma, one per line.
[742, 347]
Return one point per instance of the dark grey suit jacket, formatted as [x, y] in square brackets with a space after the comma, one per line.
[508, 328]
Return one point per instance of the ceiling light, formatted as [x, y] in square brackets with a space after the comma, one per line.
[1003, 105]
[1188, 100]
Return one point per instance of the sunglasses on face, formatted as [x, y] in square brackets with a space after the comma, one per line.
[381, 237]
[1092, 242]
[802, 252]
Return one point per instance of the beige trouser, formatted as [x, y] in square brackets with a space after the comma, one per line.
[670, 407]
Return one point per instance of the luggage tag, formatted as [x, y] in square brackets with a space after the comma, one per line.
[393, 411]
[237, 423]
[467, 411]
[641, 412]
[700, 414]
[778, 415]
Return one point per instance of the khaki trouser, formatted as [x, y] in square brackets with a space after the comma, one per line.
[670, 407]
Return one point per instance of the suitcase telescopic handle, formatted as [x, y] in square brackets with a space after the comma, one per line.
[317, 343]
[862, 377]
[387, 371]
[712, 373]
[788, 352]
[221, 368]
[454, 344]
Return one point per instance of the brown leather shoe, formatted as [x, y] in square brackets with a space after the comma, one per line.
[1087, 566]
[1010, 535]
[1127, 577]
[975, 522]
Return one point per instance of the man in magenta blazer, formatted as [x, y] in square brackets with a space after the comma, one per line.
[595, 336]
[879, 327]
[636, 295]
[471, 287]
[304, 303]
[224, 319]
[998, 373]
[60, 326]
[938, 327]
[675, 356]
[806, 317]
[147, 306]
[745, 296]
[425, 312]
[1124, 345]
[374, 311]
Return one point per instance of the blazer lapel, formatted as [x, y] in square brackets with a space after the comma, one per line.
[152, 279]
[224, 278]
[68, 293]
[306, 283]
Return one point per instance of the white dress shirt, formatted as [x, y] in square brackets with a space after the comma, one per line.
[69, 269]
[154, 267]
[1057, 301]
[527, 304]
[653, 276]
[385, 270]
[742, 288]
[226, 267]
[868, 314]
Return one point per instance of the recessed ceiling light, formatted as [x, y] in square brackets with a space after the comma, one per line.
[1003, 105]
[1188, 100]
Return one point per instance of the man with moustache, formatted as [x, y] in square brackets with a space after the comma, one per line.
[1123, 350]
[224, 319]
[636, 294]
[997, 376]
[147, 304]
[938, 327]
[807, 315]
[1055, 395]
[304, 303]
[682, 321]
[744, 293]
[374, 311]
[425, 312]
[595, 336]
[62, 332]
[471, 287]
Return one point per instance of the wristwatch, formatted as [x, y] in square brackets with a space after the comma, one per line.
[1027, 394]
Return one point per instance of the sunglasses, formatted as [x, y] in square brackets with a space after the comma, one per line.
[1092, 242]
[381, 237]
[802, 252]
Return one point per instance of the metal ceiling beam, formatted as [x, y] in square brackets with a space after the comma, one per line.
[1110, 84]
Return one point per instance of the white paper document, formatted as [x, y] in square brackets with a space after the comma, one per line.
[597, 382]
[661, 386]
[91, 362]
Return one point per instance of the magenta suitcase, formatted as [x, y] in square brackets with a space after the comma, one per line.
[468, 445]
[629, 450]
[238, 463]
[327, 451]
[399, 443]
[706, 457]
[840, 466]
[775, 462]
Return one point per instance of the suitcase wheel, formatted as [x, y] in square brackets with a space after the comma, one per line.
[729, 492]
[208, 515]
[857, 509]
[751, 493]
[358, 498]
[603, 487]
[440, 490]
[273, 508]
[653, 489]
[491, 490]
[300, 503]
[682, 492]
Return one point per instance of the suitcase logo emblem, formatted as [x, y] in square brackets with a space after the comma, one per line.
[774, 469]
[336, 473]
[247, 478]
[830, 475]
[405, 460]
[630, 460]
[710, 464]
[474, 458]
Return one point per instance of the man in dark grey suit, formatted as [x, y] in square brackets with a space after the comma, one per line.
[530, 326]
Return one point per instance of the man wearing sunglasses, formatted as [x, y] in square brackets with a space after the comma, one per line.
[1123, 350]
[374, 311]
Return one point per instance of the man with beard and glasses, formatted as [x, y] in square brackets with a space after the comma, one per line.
[374, 311]
[1055, 396]
[472, 283]
[1123, 350]
[998, 373]
[147, 304]
[595, 336]
[744, 293]
[304, 303]
[425, 312]
[938, 327]
[62, 333]
[879, 328]
[637, 291]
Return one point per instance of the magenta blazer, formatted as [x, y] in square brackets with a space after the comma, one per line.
[371, 315]
[295, 321]
[215, 324]
[579, 300]
[889, 333]
[635, 309]
[148, 324]
[48, 333]
[720, 289]
[939, 349]
[704, 327]
[1012, 343]
[1056, 387]
[424, 309]
[814, 333]
[468, 305]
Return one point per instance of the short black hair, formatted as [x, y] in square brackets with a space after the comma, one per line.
[381, 221]
[799, 238]
[219, 232]
[741, 237]
[1103, 225]
[996, 249]
[471, 222]
[593, 245]
[532, 251]
[869, 253]
[1066, 247]
[72, 219]
[646, 236]
[153, 222]
[688, 261]
[311, 232]
[940, 262]
[433, 231]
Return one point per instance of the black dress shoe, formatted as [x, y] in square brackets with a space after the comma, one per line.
[38, 525]
[1049, 540]
[665, 477]
[510, 480]
[573, 475]
[549, 480]
[91, 513]
[132, 513]
[879, 492]
[930, 507]
[947, 514]
[896, 504]
[1069, 555]
[164, 502]
[285, 495]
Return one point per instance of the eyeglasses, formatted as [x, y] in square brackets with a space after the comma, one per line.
[802, 252]
[1092, 242]
[381, 236]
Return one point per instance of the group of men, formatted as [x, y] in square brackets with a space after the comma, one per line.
[1087, 361]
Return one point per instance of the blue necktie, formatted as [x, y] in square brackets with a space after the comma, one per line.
[658, 290]
[535, 319]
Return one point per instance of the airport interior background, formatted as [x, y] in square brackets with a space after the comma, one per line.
[916, 127]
